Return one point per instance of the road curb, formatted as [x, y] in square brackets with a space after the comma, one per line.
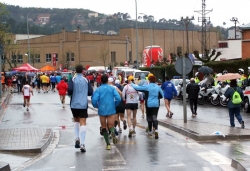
[4, 166]
[238, 166]
[3, 105]
[39, 148]
[196, 136]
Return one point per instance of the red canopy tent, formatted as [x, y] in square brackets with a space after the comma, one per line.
[25, 67]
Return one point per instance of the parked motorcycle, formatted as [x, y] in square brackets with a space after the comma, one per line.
[205, 95]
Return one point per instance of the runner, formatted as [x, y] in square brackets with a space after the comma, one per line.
[62, 88]
[106, 98]
[27, 89]
[53, 82]
[120, 109]
[130, 95]
[38, 82]
[79, 106]
[44, 83]
[142, 82]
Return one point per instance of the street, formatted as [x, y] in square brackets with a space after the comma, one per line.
[172, 151]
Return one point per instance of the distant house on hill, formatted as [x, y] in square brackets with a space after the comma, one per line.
[92, 14]
[42, 19]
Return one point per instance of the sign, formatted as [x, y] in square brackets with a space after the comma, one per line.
[179, 66]
[54, 55]
[152, 54]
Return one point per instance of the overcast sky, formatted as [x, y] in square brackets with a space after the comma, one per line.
[223, 10]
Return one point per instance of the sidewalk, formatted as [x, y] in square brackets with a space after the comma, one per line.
[18, 140]
[203, 132]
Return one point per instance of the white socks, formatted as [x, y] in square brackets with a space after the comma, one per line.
[76, 128]
[83, 130]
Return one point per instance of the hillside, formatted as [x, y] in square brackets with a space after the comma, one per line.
[48, 21]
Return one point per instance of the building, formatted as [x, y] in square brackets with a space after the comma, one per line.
[71, 48]
[42, 19]
[245, 29]
[93, 14]
[230, 49]
[231, 33]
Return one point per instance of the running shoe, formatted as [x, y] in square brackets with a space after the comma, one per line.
[63, 106]
[82, 148]
[167, 115]
[124, 125]
[193, 115]
[156, 135]
[108, 147]
[120, 130]
[77, 143]
[27, 109]
[150, 135]
[133, 133]
[242, 125]
[171, 114]
[130, 133]
[116, 132]
[101, 131]
[114, 138]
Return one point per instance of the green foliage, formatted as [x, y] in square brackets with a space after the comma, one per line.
[231, 66]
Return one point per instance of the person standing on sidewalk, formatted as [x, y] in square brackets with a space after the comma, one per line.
[234, 109]
[193, 91]
[27, 90]
[130, 95]
[169, 93]
[152, 101]
[62, 88]
[106, 98]
[79, 106]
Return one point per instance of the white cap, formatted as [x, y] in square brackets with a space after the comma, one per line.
[117, 81]
[110, 79]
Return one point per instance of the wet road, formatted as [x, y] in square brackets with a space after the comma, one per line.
[170, 152]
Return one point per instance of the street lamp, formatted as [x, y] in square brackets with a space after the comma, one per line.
[151, 18]
[28, 36]
[136, 29]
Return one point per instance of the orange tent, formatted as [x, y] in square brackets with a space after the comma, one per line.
[48, 68]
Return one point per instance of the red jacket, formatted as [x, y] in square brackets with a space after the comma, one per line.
[62, 88]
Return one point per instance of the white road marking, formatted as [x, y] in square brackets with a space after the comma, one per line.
[177, 165]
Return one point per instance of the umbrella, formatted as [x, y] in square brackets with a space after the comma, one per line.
[205, 70]
[228, 76]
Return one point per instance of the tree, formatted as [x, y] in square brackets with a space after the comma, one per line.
[103, 55]
[210, 55]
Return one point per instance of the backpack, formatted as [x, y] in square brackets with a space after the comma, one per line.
[236, 99]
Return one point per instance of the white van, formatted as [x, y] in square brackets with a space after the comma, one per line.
[117, 70]
[138, 73]
[96, 68]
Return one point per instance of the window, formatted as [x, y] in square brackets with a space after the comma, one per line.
[70, 56]
[19, 58]
[48, 57]
[3, 59]
[36, 58]
[14, 59]
[113, 57]
[223, 45]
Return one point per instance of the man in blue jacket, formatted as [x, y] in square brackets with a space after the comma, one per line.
[169, 93]
[79, 107]
[106, 98]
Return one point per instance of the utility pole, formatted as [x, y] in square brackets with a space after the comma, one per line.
[1, 53]
[185, 21]
[204, 20]
[235, 20]
[127, 39]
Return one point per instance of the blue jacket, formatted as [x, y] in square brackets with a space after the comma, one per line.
[53, 79]
[169, 90]
[58, 78]
[153, 93]
[229, 94]
[106, 98]
[79, 100]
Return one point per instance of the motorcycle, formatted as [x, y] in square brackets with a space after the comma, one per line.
[215, 98]
[179, 89]
[205, 95]
[223, 100]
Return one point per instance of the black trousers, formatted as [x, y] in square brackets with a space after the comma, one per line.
[193, 105]
[19, 87]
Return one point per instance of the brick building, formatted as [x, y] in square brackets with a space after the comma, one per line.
[77, 47]
[245, 41]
